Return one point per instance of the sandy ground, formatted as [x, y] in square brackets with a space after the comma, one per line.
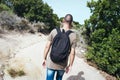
[29, 56]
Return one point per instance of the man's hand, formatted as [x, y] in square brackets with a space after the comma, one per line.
[44, 63]
[68, 69]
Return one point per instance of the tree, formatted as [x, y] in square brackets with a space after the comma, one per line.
[34, 11]
[106, 15]
[103, 30]
[77, 25]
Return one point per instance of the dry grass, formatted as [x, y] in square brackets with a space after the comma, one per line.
[14, 73]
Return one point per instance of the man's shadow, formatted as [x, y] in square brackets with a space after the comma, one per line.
[77, 77]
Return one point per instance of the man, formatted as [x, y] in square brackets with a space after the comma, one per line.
[62, 67]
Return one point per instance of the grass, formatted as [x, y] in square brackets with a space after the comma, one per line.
[15, 73]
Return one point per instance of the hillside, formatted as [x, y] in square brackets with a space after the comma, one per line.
[25, 52]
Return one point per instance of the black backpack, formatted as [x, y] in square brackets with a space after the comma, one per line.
[60, 46]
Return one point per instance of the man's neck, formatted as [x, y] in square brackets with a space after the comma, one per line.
[66, 27]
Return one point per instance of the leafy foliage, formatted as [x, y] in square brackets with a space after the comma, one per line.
[103, 30]
[77, 25]
[34, 11]
[3, 7]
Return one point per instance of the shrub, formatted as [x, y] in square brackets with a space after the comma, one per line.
[103, 30]
[3, 7]
[13, 22]
[14, 73]
[105, 52]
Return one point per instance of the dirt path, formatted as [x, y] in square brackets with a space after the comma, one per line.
[30, 60]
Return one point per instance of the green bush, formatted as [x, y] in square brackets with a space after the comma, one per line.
[3, 7]
[105, 52]
[103, 31]
[34, 11]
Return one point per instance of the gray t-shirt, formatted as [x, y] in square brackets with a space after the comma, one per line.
[60, 66]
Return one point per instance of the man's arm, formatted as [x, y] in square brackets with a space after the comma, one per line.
[46, 50]
[72, 53]
[72, 56]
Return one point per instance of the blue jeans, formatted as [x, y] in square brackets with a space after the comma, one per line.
[51, 73]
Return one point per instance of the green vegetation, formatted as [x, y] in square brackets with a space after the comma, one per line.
[34, 11]
[76, 25]
[103, 31]
[3, 7]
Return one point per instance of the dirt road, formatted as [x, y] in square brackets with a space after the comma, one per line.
[30, 57]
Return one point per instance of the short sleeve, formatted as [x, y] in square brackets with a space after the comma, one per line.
[50, 36]
[74, 41]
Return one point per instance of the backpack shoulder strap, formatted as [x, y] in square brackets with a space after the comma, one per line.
[69, 32]
[58, 30]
